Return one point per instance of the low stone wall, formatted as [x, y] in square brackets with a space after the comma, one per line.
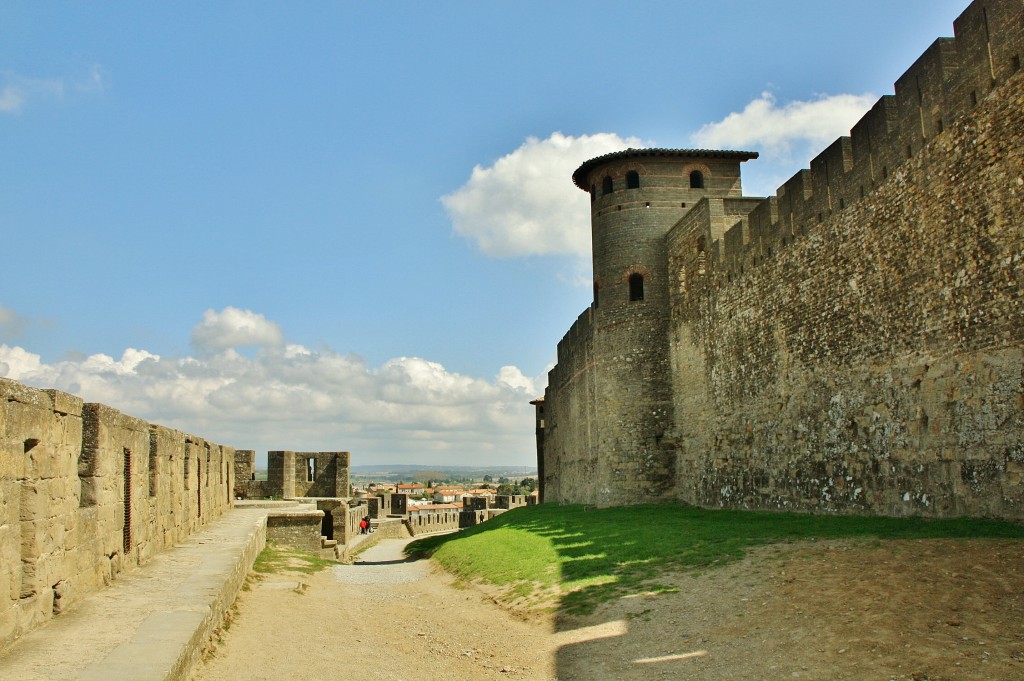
[252, 489]
[353, 516]
[391, 528]
[432, 521]
[230, 584]
[474, 504]
[510, 501]
[299, 529]
[471, 518]
[155, 625]
[344, 516]
[391, 504]
[86, 493]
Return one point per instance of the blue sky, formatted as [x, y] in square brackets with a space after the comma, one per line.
[323, 226]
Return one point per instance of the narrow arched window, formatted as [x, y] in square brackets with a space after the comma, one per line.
[606, 185]
[593, 193]
[636, 286]
[596, 290]
[696, 180]
[632, 180]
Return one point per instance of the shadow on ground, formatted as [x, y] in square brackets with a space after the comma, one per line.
[627, 556]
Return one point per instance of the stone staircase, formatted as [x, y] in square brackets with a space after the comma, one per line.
[328, 548]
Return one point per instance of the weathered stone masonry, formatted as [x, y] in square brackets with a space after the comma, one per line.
[86, 493]
[852, 344]
[293, 474]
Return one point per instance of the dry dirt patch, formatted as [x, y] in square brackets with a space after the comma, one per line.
[909, 610]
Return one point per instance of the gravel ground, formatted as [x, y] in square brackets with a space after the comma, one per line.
[382, 617]
[381, 565]
[928, 610]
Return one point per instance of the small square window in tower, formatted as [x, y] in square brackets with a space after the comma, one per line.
[636, 287]
[696, 180]
[632, 180]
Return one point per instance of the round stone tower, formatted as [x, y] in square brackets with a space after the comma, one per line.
[636, 196]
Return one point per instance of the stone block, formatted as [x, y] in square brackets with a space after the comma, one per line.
[33, 501]
[65, 404]
[63, 596]
[29, 581]
[89, 490]
[10, 574]
[54, 533]
[35, 610]
[13, 465]
[8, 622]
[10, 501]
[58, 494]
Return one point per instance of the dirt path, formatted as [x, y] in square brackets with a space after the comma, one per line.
[381, 618]
[909, 610]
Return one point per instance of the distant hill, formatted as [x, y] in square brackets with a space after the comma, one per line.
[391, 470]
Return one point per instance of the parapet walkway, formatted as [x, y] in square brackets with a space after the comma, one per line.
[151, 623]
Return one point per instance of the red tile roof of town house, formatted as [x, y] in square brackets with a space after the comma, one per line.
[414, 485]
[443, 490]
[481, 492]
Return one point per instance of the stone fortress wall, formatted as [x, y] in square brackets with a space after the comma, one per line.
[326, 519]
[852, 344]
[474, 510]
[87, 493]
[432, 521]
[293, 474]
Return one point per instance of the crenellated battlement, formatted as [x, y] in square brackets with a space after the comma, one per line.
[580, 332]
[950, 79]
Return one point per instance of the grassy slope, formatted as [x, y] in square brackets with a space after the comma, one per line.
[589, 556]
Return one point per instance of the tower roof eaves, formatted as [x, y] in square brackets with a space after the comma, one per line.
[579, 176]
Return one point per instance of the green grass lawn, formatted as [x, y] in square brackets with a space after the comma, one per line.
[279, 558]
[588, 556]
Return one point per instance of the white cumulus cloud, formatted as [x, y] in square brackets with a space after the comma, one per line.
[408, 410]
[763, 124]
[525, 202]
[232, 328]
[788, 136]
[513, 378]
[17, 362]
